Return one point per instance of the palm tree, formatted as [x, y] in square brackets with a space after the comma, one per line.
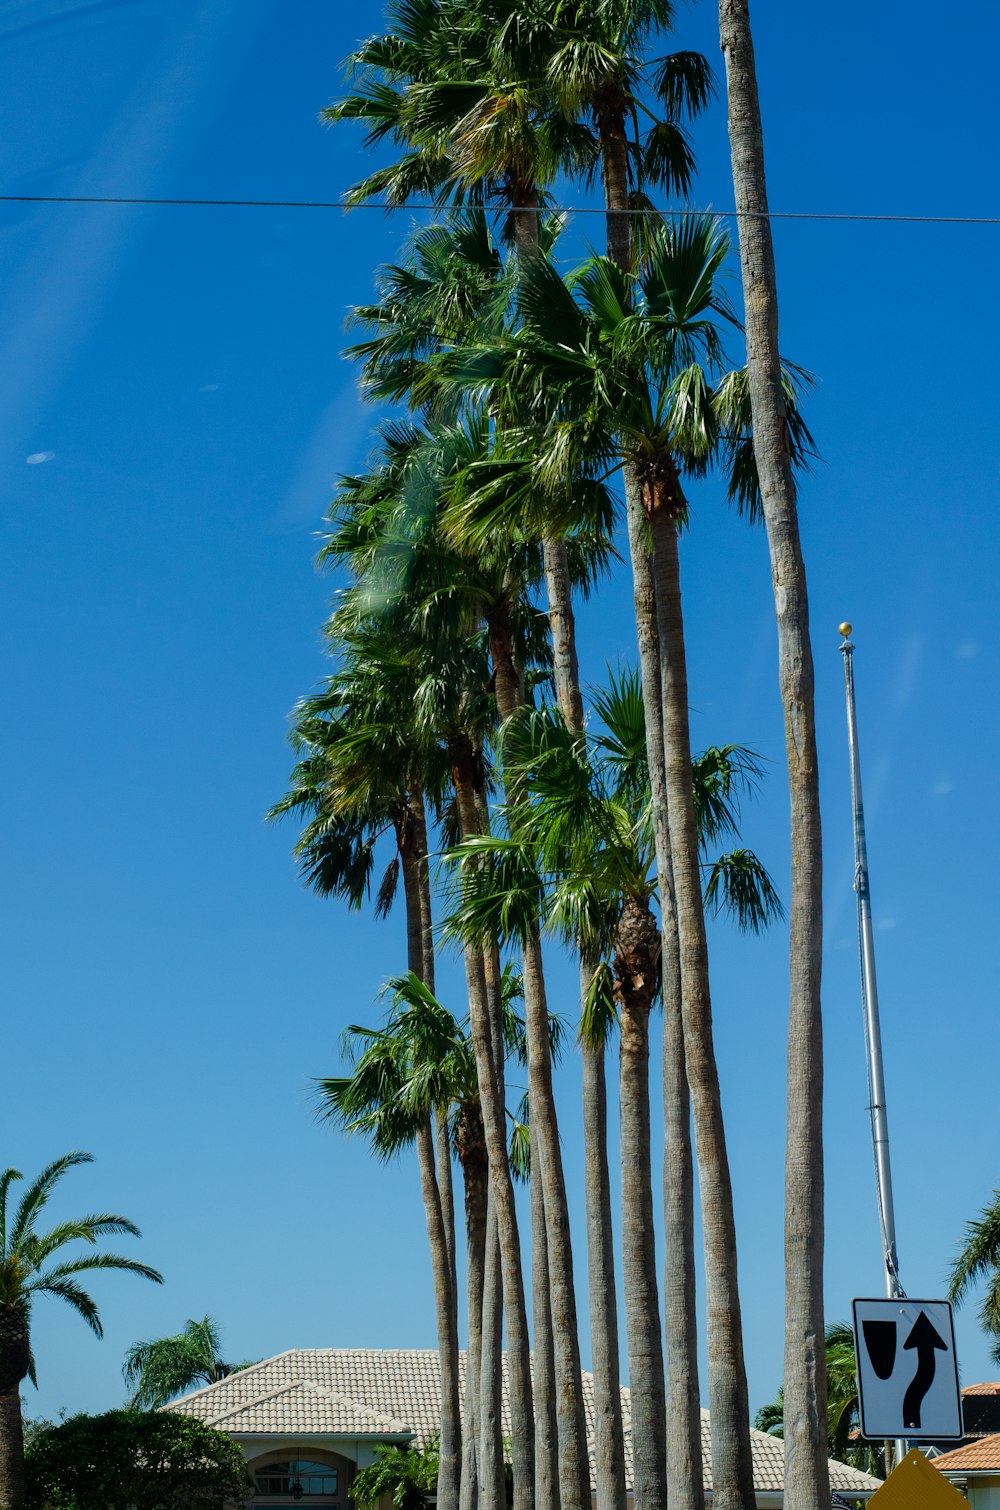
[609, 372]
[163, 1367]
[362, 772]
[480, 119]
[381, 1100]
[426, 306]
[979, 1259]
[26, 1271]
[806, 1472]
[596, 1023]
[599, 70]
[446, 595]
[422, 1059]
[585, 827]
[403, 1473]
[472, 101]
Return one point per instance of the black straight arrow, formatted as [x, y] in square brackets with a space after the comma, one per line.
[924, 1337]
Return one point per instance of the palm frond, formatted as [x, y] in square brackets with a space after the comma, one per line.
[600, 1012]
[739, 884]
[6, 1180]
[38, 1193]
[980, 1252]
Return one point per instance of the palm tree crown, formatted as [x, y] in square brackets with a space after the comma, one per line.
[26, 1270]
[980, 1259]
[164, 1367]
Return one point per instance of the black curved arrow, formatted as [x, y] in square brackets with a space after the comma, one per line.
[924, 1337]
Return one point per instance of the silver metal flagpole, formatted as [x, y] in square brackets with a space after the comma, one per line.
[869, 1000]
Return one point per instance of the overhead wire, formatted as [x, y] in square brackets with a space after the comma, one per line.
[333, 204]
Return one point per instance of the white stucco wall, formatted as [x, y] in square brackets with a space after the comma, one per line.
[984, 1494]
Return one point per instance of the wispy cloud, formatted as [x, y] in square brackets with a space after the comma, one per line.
[911, 660]
[342, 432]
[50, 301]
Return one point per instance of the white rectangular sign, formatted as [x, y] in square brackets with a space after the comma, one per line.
[907, 1370]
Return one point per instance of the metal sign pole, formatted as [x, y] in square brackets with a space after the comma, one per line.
[869, 998]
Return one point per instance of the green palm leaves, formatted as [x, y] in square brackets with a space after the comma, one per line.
[979, 1259]
[607, 369]
[580, 848]
[418, 1062]
[158, 1370]
[26, 1259]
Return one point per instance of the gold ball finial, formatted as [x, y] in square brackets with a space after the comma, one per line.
[845, 630]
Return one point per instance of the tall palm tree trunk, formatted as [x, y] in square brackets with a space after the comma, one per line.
[562, 625]
[494, 1124]
[609, 1444]
[635, 964]
[469, 1494]
[546, 1423]
[806, 1461]
[609, 1436]
[475, 1168]
[491, 1481]
[676, 1424]
[732, 1468]
[442, 1140]
[14, 1363]
[11, 1451]
[574, 1463]
[442, 1255]
[490, 1422]
[685, 1473]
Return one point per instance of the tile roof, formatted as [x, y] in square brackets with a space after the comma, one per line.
[981, 1389]
[975, 1457]
[365, 1392]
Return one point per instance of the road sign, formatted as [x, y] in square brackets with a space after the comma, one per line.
[907, 1371]
[915, 1484]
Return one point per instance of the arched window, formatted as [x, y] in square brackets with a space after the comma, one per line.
[292, 1480]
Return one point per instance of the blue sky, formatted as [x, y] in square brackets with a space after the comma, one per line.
[174, 409]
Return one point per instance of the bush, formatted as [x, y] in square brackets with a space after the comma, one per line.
[134, 1458]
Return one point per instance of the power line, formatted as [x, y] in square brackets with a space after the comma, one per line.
[332, 204]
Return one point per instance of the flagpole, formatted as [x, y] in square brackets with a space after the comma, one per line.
[869, 1000]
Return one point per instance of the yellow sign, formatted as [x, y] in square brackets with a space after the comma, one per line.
[915, 1484]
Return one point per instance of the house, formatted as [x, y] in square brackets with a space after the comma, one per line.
[980, 1411]
[980, 1418]
[975, 1468]
[309, 1419]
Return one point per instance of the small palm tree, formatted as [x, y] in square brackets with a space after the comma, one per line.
[26, 1271]
[163, 1367]
[402, 1476]
[980, 1259]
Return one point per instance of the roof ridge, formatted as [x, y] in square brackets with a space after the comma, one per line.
[361, 1406]
[952, 1459]
[271, 1394]
[241, 1372]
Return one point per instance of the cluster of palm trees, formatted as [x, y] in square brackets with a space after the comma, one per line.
[525, 411]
